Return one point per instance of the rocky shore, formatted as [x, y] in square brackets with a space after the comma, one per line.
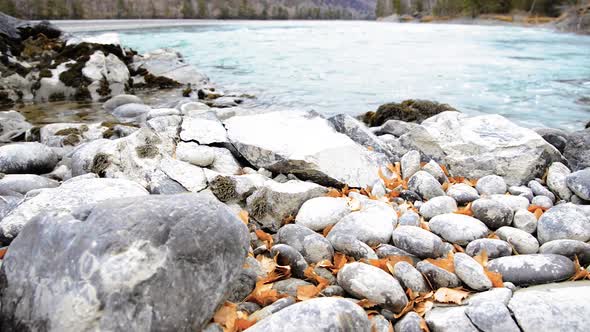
[200, 215]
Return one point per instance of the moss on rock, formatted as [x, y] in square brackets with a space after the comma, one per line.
[259, 206]
[68, 131]
[408, 111]
[100, 163]
[148, 151]
[161, 82]
[45, 73]
[71, 140]
[224, 188]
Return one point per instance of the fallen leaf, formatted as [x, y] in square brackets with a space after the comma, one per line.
[366, 304]
[533, 208]
[339, 261]
[310, 274]
[327, 230]
[538, 213]
[465, 210]
[424, 225]
[267, 264]
[334, 193]
[458, 248]
[263, 294]
[288, 220]
[447, 263]
[226, 316]
[482, 258]
[445, 170]
[419, 303]
[450, 295]
[264, 237]
[495, 278]
[307, 292]
[445, 186]
[242, 324]
[279, 273]
[244, 217]
[386, 264]
[3, 252]
[581, 273]
[370, 148]
[423, 325]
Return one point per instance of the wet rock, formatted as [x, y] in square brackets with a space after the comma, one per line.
[120, 100]
[417, 241]
[539, 190]
[109, 76]
[462, 193]
[204, 129]
[564, 221]
[359, 133]
[492, 213]
[274, 202]
[351, 246]
[523, 270]
[491, 185]
[124, 275]
[557, 138]
[321, 212]
[159, 112]
[410, 277]
[409, 218]
[438, 205]
[556, 180]
[64, 199]
[491, 316]
[525, 221]
[523, 191]
[321, 314]
[471, 272]
[553, 307]
[410, 164]
[577, 150]
[425, 185]
[368, 282]
[458, 228]
[579, 183]
[131, 112]
[568, 248]
[271, 309]
[23, 183]
[274, 141]
[523, 242]
[437, 276]
[449, 319]
[478, 146]
[494, 248]
[27, 158]
[372, 225]
[542, 201]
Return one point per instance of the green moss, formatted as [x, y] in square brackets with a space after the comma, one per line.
[82, 93]
[259, 207]
[187, 92]
[71, 140]
[73, 77]
[68, 131]
[59, 96]
[108, 133]
[100, 163]
[160, 82]
[151, 140]
[104, 89]
[147, 151]
[45, 73]
[408, 111]
[34, 134]
[224, 188]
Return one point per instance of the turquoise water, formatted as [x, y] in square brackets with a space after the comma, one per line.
[533, 76]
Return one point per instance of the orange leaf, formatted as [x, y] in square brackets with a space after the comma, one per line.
[354, 204]
[327, 230]
[307, 292]
[533, 208]
[263, 294]
[244, 217]
[265, 237]
[322, 282]
[339, 261]
[458, 248]
[465, 211]
[495, 278]
[226, 316]
[288, 220]
[450, 295]
[3, 252]
[242, 324]
[370, 148]
[445, 170]
[482, 258]
[447, 263]
[424, 225]
[387, 264]
[366, 304]
[581, 273]
[538, 213]
[334, 193]
[423, 325]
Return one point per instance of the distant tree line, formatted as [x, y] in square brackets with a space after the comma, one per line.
[193, 9]
[471, 7]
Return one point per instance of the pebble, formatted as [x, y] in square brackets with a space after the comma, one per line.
[321, 212]
[372, 226]
[458, 228]
[492, 213]
[523, 242]
[557, 180]
[542, 201]
[449, 319]
[514, 202]
[462, 193]
[410, 322]
[491, 317]
[289, 286]
[287, 255]
[350, 246]
[539, 190]
[410, 277]
[409, 218]
[434, 169]
[501, 295]
[568, 248]
[579, 183]
[564, 221]
[438, 205]
[425, 185]
[523, 270]
[316, 248]
[277, 306]
[418, 242]
[471, 272]
[494, 248]
[490, 185]
[410, 163]
[437, 276]
[525, 221]
[522, 191]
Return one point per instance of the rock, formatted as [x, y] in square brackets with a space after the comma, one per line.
[271, 309]
[553, 307]
[471, 272]
[316, 248]
[410, 164]
[498, 295]
[449, 319]
[522, 191]
[289, 286]
[333, 290]
[409, 218]
[170, 64]
[120, 100]
[514, 202]
[411, 196]
[27, 158]
[410, 322]
[579, 183]
[407, 111]
[68, 135]
[478, 146]
[525, 221]
[458, 228]
[380, 324]
[244, 284]
[368, 282]
[387, 250]
[542, 201]
[372, 225]
[425, 185]
[131, 112]
[556, 137]
[271, 204]
[494, 248]
[195, 154]
[274, 141]
[434, 169]
[287, 255]
[564, 221]
[359, 133]
[523, 242]
[294, 235]
[23, 183]
[568, 248]
[437, 276]
[539, 190]
[204, 129]
[556, 180]
[418, 241]
[491, 185]
[190, 177]
[320, 314]
[523, 270]
[438, 205]
[321, 212]
[394, 127]
[232, 188]
[492, 213]
[106, 71]
[491, 316]
[351, 246]
[159, 112]
[462, 193]
[577, 150]
[129, 252]
[410, 277]
[13, 125]
[64, 199]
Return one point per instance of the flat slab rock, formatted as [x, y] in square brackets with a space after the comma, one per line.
[304, 144]
[110, 267]
[553, 307]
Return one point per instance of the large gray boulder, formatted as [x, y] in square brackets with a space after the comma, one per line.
[483, 145]
[64, 199]
[359, 133]
[523, 270]
[553, 307]
[577, 150]
[170, 64]
[304, 144]
[110, 267]
[27, 158]
[321, 314]
[23, 183]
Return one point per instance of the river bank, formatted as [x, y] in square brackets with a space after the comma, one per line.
[193, 213]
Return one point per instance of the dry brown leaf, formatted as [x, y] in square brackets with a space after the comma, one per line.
[533, 208]
[242, 323]
[495, 278]
[386, 264]
[354, 204]
[458, 248]
[538, 213]
[263, 294]
[447, 263]
[366, 304]
[226, 316]
[370, 148]
[445, 170]
[288, 220]
[456, 179]
[322, 282]
[307, 292]
[419, 303]
[450, 295]
[334, 193]
[3, 252]
[482, 258]
[244, 217]
[327, 230]
[279, 273]
[493, 236]
[264, 237]
[445, 186]
[465, 210]
[581, 273]
[339, 261]
[424, 225]
[267, 264]
[423, 325]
